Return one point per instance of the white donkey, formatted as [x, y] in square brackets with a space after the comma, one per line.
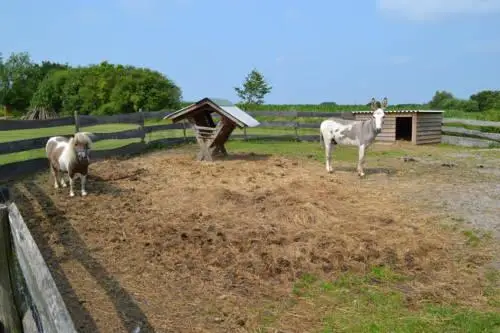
[359, 133]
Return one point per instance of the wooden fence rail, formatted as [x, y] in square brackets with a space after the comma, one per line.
[29, 298]
[450, 133]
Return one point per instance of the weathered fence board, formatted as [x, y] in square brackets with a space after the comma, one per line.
[8, 125]
[9, 316]
[156, 114]
[289, 124]
[126, 118]
[472, 122]
[122, 135]
[10, 147]
[155, 128]
[470, 133]
[54, 315]
[467, 142]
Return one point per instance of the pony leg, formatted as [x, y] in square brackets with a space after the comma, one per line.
[71, 184]
[328, 155]
[63, 182]
[83, 179]
[361, 160]
[55, 174]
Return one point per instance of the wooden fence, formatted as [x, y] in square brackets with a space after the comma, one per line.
[452, 135]
[29, 298]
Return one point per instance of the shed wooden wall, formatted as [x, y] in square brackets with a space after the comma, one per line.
[426, 127]
[388, 130]
[429, 128]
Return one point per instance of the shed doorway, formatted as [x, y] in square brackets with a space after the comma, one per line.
[404, 128]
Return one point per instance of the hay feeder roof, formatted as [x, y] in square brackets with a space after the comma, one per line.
[221, 106]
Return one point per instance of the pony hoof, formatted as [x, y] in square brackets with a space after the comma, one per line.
[71, 194]
[64, 185]
[361, 174]
[56, 186]
[84, 193]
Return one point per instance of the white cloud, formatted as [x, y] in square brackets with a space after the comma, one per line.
[432, 9]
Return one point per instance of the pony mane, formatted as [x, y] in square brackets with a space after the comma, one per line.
[82, 138]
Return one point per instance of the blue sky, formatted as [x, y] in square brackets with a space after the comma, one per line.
[309, 51]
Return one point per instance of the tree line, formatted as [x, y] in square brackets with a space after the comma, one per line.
[101, 89]
[105, 89]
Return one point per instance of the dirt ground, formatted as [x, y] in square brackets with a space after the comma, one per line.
[168, 244]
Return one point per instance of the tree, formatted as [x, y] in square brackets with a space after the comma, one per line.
[254, 89]
[442, 100]
[487, 99]
[106, 89]
[16, 81]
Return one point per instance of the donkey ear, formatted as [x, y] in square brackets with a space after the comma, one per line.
[373, 103]
[384, 103]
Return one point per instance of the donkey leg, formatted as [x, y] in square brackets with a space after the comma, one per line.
[361, 160]
[83, 180]
[328, 155]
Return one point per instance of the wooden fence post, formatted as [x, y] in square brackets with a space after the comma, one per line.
[296, 126]
[9, 317]
[184, 130]
[245, 133]
[141, 126]
[77, 122]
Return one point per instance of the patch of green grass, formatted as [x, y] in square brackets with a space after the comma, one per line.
[307, 150]
[491, 115]
[374, 303]
[484, 129]
[6, 136]
[474, 237]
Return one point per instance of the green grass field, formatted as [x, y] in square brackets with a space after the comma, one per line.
[6, 136]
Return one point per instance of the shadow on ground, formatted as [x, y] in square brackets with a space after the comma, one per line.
[75, 249]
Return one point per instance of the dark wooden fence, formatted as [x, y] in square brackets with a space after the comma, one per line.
[289, 119]
[29, 298]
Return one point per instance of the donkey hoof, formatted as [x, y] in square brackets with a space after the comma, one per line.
[64, 185]
[84, 193]
[71, 194]
[361, 174]
[56, 186]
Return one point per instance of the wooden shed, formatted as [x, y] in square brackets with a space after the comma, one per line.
[417, 126]
[211, 133]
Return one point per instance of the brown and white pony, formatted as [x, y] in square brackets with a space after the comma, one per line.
[71, 156]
